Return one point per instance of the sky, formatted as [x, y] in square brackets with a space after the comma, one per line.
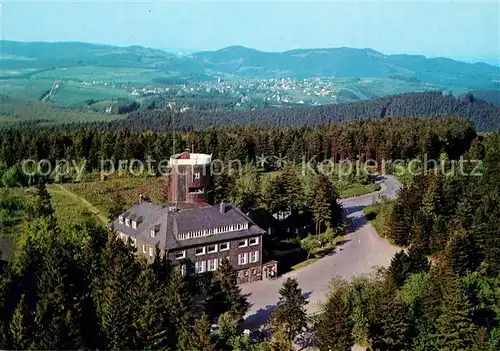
[462, 30]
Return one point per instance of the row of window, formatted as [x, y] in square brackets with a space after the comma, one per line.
[125, 237]
[202, 250]
[148, 250]
[211, 231]
[248, 257]
[212, 264]
[209, 265]
[127, 222]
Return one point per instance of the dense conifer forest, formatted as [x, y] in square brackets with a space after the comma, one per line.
[388, 138]
[443, 291]
[80, 288]
[486, 115]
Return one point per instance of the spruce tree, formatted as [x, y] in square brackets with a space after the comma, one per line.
[459, 252]
[399, 269]
[454, 327]
[201, 337]
[117, 206]
[150, 326]
[290, 313]
[334, 328]
[44, 205]
[293, 189]
[18, 330]
[280, 340]
[327, 210]
[393, 330]
[178, 304]
[225, 292]
[116, 306]
[398, 230]
[418, 261]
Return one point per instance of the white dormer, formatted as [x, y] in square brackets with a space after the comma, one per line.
[134, 224]
[120, 219]
[153, 233]
[127, 222]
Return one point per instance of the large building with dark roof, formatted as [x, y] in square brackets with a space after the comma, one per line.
[193, 234]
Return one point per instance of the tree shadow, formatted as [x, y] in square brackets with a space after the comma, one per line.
[352, 209]
[261, 316]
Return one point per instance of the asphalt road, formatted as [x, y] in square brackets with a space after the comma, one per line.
[362, 251]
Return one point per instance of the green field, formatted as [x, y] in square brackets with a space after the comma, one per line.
[69, 210]
[102, 194]
[75, 203]
[357, 189]
[14, 203]
[78, 84]
[14, 109]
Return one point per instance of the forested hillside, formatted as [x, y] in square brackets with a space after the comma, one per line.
[485, 115]
[450, 302]
[347, 62]
[390, 138]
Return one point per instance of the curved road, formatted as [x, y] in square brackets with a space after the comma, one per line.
[363, 250]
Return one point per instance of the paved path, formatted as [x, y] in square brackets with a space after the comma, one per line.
[363, 250]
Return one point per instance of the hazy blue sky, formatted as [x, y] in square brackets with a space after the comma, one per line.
[464, 30]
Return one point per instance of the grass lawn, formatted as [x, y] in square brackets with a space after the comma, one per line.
[357, 189]
[13, 204]
[69, 210]
[101, 194]
[377, 215]
[305, 263]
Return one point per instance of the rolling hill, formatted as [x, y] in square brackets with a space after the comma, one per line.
[347, 63]
[73, 73]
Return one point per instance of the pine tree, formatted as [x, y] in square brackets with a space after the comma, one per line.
[399, 269]
[225, 293]
[290, 313]
[454, 327]
[327, 210]
[393, 330]
[398, 230]
[418, 261]
[178, 303]
[116, 306]
[202, 340]
[334, 328]
[459, 252]
[149, 322]
[18, 330]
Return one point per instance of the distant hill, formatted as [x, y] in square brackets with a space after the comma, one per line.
[36, 56]
[42, 54]
[346, 63]
[86, 71]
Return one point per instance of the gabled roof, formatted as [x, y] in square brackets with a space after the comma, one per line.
[167, 222]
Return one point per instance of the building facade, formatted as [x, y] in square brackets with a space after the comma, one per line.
[196, 238]
[189, 230]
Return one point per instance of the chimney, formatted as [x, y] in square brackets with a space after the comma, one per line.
[222, 207]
